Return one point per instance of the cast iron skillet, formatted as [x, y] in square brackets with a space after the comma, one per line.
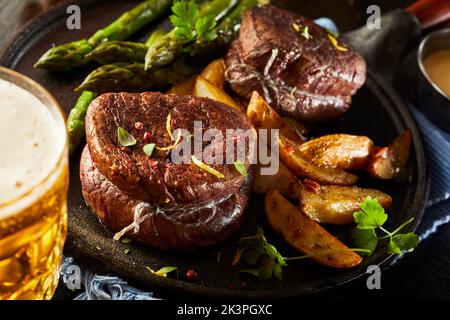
[376, 112]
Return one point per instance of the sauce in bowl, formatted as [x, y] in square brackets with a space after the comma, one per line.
[437, 66]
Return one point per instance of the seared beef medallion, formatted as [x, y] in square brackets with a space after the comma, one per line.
[298, 66]
[161, 203]
[184, 228]
[157, 179]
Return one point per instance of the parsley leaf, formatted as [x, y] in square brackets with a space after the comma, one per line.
[204, 27]
[262, 255]
[189, 25]
[403, 243]
[371, 215]
[365, 239]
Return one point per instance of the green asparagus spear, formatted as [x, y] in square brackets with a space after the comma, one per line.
[168, 48]
[123, 51]
[226, 31]
[118, 51]
[72, 55]
[75, 121]
[132, 77]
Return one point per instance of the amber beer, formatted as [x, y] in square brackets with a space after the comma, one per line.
[33, 188]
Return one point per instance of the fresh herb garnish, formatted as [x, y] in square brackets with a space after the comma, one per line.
[148, 149]
[265, 260]
[240, 167]
[189, 25]
[301, 30]
[206, 168]
[126, 251]
[163, 271]
[305, 33]
[257, 252]
[125, 138]
[372, 217]
[126, 240]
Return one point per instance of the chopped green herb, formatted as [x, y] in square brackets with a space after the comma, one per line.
[301, 30]
[126, 251]
[125, 138]
[148, 149]
[126, 240]
[305, 33]
[163, 271]
[240, 167]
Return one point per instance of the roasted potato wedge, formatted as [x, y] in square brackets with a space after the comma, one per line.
[215, 73]
[184, 88]
[293, 159]
[336, 204]
[204, 88]
[342, 151]
[388, 161]
[284, 181]
[263, 116]
[306, 235]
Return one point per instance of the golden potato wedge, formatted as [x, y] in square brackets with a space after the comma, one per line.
[342, 151]
[184, 88]
[336, 204]
[388, 161]
[215, 73]
[204, 88]
[284, 181]
[263, 116]
[306, 235]
[293, 159]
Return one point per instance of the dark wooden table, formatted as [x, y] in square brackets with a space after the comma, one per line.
[423, 274]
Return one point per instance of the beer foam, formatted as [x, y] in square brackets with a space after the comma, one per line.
[31, 141]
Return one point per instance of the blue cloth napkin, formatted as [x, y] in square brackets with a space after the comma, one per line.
[437, 145]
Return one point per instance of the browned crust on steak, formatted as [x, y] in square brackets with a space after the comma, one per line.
[128, 167]
[180, 229]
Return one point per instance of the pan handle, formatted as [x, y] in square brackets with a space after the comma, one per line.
[430, 12]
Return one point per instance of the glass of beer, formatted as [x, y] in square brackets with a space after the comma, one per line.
[33, 188]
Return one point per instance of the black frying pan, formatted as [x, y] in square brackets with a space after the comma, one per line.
[377, 112]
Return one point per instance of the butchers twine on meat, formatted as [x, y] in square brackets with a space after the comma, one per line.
[280, 89]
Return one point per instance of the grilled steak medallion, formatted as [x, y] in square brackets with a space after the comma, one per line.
[186, 228]
[159, 201]
[158, 180]
[293, 63]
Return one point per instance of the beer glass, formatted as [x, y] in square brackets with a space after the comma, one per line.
[33, 188]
